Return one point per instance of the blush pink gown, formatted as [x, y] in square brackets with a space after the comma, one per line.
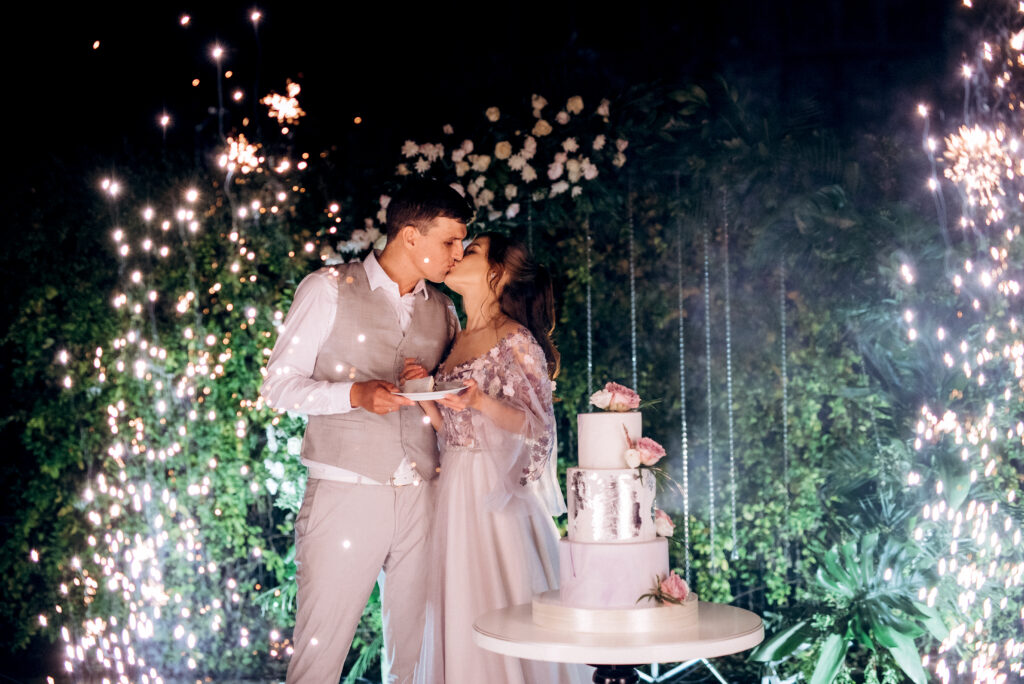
[494, 540]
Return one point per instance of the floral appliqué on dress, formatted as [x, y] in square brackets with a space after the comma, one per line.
[513, 371]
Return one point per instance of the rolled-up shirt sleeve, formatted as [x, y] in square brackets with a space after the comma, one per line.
[289, 384]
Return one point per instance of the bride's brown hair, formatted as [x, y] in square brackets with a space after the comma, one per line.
[528, 296]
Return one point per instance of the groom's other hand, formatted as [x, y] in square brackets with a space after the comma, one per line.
[412, 370]
[377, 396]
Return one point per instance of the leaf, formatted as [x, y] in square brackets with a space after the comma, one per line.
[833, 653]
[782, 644]
[907, 657]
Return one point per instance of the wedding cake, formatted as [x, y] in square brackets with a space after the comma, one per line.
[614, 566]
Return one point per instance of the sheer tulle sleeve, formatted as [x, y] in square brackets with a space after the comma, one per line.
[527, 458]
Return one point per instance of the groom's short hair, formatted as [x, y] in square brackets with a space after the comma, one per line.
[421, 201]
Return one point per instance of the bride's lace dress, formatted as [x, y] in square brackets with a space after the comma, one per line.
[495, 543]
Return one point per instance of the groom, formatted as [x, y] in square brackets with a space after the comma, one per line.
[369, 454]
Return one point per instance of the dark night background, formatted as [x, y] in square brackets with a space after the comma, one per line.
[408, 71]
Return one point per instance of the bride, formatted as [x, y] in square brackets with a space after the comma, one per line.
[494, 540]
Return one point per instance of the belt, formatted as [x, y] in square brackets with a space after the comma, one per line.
[319, 472]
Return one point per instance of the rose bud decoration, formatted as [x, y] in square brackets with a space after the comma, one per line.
[663, 524]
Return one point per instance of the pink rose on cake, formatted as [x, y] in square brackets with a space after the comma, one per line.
[663, 525]
[650, 451]
[644, 451]
[615, 397]
[669, 589]
[674, 587]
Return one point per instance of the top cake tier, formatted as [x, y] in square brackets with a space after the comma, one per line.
[602, 439]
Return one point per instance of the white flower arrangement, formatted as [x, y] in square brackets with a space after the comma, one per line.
[517, 153]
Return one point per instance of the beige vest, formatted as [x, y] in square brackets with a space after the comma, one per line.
[366, 343]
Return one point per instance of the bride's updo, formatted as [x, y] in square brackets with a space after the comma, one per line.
[528, 297]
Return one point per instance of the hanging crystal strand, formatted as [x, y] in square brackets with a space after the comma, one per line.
[529, 224]
[684, 445]
[728, 373]
[632, 281]
[590, 310]
[785, 393]
[711, 460]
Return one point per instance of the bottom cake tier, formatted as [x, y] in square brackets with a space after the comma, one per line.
[549, 612]
[596, 575]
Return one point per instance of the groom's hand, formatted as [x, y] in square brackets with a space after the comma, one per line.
[376, 396]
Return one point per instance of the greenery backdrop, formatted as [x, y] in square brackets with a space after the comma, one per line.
[179, 515]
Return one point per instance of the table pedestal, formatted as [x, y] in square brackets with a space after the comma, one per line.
[615, 674]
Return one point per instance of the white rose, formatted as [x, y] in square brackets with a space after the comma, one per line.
[621, 144]
[516, 162]
[576, 191]
[570, 145]
[599, 142]
[529, 173]
[511, 191]
[602, 109]
[541, 128]
[493, 114]
[530, 146]
[559, 187]
[512, 211]
[589, 170]
[632, 458]
[575, 104]
[458, 155]
[422, 165]
[271, 486]
[448, 130]
[554, 170]
[575, 170]
[484, 198]
[601, 398]
[480, 162]
[294, 446]
[410, 149]
[562, 117]
[330, 256]
[619, 159]
[432, 152]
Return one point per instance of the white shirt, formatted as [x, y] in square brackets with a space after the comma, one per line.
[289, 384]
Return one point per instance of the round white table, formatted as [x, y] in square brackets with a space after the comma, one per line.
[720, 630]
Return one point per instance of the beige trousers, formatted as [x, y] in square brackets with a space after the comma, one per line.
[345, 535]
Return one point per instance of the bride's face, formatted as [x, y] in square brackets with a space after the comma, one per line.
[473, 272]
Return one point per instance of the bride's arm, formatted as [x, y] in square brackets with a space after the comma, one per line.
[503, 415]
[432, 412]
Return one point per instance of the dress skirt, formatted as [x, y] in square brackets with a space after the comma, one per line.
[482, 561]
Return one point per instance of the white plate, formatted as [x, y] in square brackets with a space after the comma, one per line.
[436, 394]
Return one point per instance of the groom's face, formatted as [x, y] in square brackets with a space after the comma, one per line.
[438, 250]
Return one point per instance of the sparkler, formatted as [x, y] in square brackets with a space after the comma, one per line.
[975, 513]
[156, 593]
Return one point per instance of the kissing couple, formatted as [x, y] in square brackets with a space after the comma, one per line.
[446, 503]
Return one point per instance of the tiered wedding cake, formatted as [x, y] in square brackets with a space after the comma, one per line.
[614, 567]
